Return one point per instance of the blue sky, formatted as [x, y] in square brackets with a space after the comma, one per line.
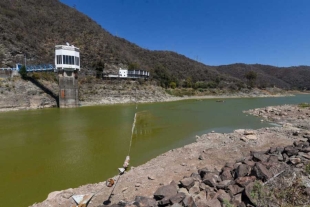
[214, 32]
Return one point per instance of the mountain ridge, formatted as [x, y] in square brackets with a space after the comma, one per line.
[34, 27]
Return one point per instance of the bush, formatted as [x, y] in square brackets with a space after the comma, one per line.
[23, 72]
[173, 85]
[304, 105]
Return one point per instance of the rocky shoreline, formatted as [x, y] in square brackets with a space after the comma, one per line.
[17, 94]
[243, 149]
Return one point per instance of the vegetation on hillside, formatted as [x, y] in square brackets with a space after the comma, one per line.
[34, 27]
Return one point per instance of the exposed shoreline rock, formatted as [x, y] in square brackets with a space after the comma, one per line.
[17, 94]
[197, 168]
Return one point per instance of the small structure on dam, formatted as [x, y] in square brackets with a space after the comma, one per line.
[67, 64]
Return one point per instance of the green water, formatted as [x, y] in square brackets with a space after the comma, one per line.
[54, 149]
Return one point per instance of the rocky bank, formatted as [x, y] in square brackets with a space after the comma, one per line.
[219, 169]
[42, 92]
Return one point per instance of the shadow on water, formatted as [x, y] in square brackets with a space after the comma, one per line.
[45, 89]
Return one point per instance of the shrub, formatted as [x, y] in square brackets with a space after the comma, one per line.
[304, 105]
[23, 72]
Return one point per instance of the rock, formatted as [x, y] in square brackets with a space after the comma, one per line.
[224, 184]
[176, 205]
[144, 201]
[188, 201]
[259, 156]
[248, 132]
[307, 191]
[177, 198]
[151, 178]
[187, 182]
[249, 163]
[213, 203]
[201, 196]
[196, 176]
[226, 175]
[201, 157]
[184, 190]
[290, 151]
[251, 137]
[235, 189]
[237, 199]
[243, 170]
[295, 160]
[137, 184]
[52, 195]
[203, 171]
[249, 193]
[261, 172]
[222, 196]
[164, 202]
[280, 149]
[243, 181]
[211, 179]
[273, 158]
[306, 149]
[166, 191]
[195, 189]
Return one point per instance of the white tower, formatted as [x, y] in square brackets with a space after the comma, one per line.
[67, 64]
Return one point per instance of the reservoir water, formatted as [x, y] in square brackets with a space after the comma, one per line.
[54, 149]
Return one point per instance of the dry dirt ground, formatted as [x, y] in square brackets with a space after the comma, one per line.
[211, 150]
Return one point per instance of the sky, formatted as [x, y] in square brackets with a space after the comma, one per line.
[214, 32]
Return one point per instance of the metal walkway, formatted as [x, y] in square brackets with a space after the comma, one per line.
[33, 68]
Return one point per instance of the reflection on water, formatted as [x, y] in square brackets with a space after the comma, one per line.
[143, 126]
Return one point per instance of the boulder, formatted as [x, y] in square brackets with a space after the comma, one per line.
[213, 203]
[224, 184]
[166, 191]
[222, 196]
[211, 179]
[260, 156]
[195, 189]
[295, 160]
[226, 175]
[177, 198]
[243, 170]
[290, 151]
[249, 193]
[188, 201]
[261, 172]
[203, 171]
[249, 132]
[187, 182]
[144, 201]
[244, 181]
[235, 189]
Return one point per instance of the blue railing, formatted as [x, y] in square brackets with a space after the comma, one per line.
[33, 68]
[40, 68]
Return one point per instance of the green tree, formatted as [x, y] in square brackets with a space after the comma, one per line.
[133, 66]
[188, 83]
[23, 72]
[173, 85]
[99, 67]
[162, 75]
[251, 76]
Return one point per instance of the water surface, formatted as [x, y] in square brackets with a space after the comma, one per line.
[54, 149]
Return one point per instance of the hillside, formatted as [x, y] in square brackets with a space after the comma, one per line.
[34, 27]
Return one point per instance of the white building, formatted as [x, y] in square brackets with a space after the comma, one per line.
[67, 57]
[123, 73]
